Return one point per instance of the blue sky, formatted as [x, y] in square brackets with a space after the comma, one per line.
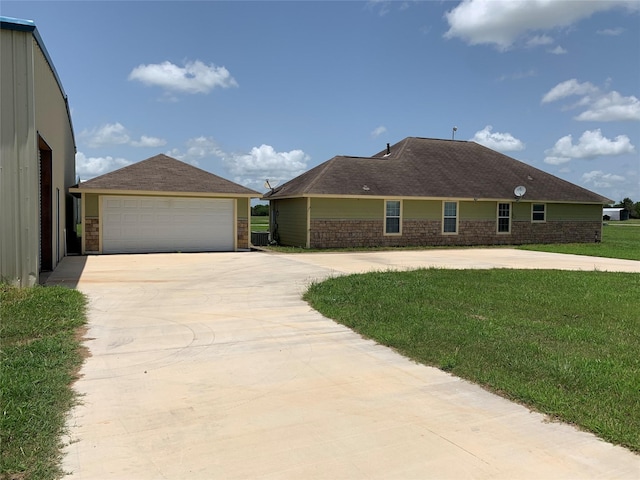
[257, 90]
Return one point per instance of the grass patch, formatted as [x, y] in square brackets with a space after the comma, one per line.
[259, 223]
[619, 240]
[563, 343]
[40, 355]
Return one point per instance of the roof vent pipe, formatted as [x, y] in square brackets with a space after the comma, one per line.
[388, 149]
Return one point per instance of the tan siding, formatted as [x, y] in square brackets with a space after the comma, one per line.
[19, 204]
[521, 211]
[291, 220]
[422, 209]
[242, 208]
[91, 208]
[346, 208]
[484, 211]
[564, 212]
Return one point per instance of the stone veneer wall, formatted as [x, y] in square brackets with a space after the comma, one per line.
[243, 233]
[369, 233]
[91, 232]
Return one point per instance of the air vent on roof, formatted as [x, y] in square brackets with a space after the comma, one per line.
[388, 151]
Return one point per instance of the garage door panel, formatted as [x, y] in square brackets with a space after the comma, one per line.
[160, 224]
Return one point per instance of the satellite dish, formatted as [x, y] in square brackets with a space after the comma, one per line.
[270, 185]
[519, 191]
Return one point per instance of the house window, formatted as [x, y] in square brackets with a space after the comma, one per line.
[450, 217]
[538, 212]
[504, 217]
[392, 217]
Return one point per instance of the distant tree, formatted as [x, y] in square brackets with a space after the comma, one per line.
[629, 206]
[636, 212]
[260, 210]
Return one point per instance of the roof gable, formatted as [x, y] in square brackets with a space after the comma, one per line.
[422, 167]
[162, 173]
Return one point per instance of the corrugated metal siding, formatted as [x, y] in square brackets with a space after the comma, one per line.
[19, 209]
[54, 127]
[32, 106]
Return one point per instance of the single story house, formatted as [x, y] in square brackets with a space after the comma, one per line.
[615, 213]
[424, 191]
[163, 205]
[37, 158]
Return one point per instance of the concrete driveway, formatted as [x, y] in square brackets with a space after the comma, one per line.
[210, 366]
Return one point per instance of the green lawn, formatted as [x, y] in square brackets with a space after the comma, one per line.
[564, 343]
[40, 354]
[619, 240]
[259, 224]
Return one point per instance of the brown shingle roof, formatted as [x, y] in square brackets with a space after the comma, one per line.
[422, 167]
[165, 174]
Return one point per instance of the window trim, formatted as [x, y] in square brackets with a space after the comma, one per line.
[498, 217]
[457, 217]
[399, 217]
[544, 213]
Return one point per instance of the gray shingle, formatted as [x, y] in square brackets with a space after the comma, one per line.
[422, 167]
[162, 173]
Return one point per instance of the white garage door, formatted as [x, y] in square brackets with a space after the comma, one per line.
[166, 224]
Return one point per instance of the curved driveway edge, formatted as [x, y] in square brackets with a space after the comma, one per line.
[211, 366]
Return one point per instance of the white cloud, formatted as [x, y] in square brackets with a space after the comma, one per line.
[378, 131]
[116, 134]
[502, 142]
[503, 22]
[89, 167]
[558, 50]
[539, 40]
[146, 141]
[612, 107]
[106, 135]
[567, 89]
[251, 169]
[591, 144]
[602, 107]
[197, 149]
[599, 179]
[611, 32]
[194, 77]
[248, 169]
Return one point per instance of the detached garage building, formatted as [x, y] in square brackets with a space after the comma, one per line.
[163, 205]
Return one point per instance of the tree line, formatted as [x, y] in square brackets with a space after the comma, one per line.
[630, 206]
[260, 211]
